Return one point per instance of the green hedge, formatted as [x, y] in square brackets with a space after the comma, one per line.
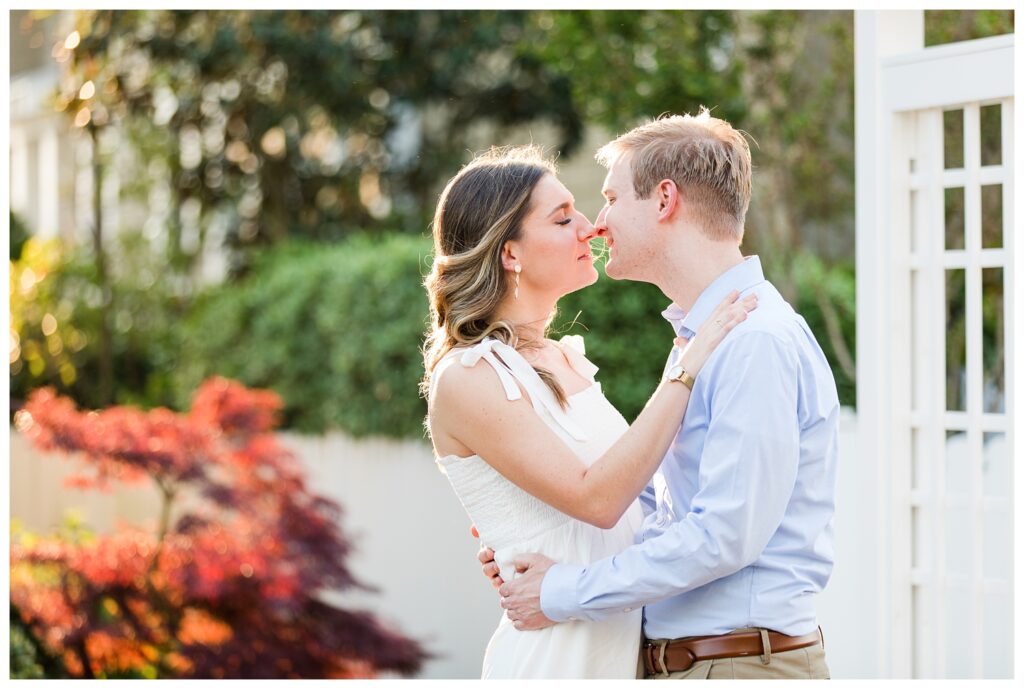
[336, 330]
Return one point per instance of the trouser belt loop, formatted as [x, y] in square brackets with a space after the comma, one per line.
[822, 635]
[661, 658]
[766, 659]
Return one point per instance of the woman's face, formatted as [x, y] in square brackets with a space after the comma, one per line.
[554, 246]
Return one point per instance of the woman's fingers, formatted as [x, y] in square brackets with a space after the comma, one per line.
[729, 313]
[728, 306]
[724, 305]
[722, 320]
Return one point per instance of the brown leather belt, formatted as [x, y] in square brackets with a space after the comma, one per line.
[663, 657]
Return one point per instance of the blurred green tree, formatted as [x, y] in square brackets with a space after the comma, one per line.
[660, 61]
[308, 123]
[950, 26]
[798, 86]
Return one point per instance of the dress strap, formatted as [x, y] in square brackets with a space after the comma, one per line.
[573, 348]
[512, 367]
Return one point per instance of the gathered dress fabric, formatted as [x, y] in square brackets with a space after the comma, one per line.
[513, 522]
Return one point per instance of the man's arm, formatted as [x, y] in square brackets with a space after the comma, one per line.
[747, 474]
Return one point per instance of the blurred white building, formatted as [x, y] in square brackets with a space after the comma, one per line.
[46, 155]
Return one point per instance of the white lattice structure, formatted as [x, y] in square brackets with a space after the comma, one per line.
[935, 286]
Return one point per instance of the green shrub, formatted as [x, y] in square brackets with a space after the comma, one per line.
[334, 329]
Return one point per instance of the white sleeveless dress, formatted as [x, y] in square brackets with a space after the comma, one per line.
[512, 522]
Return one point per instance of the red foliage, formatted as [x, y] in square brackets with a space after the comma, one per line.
[230, 589]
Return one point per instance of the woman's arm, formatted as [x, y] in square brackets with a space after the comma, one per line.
[469, 407]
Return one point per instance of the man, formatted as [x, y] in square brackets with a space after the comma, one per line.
[737, 537]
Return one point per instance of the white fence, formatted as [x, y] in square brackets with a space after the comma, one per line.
[935, 304]
[413, 543]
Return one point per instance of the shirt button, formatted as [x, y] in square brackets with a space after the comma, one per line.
[572, 619]
[627, 610]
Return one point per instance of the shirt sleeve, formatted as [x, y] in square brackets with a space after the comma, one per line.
[747, 474]
[648, 503]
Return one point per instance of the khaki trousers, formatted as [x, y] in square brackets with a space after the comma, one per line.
[801, 663]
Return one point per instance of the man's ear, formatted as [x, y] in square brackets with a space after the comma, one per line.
[509, 255]
[667, 194]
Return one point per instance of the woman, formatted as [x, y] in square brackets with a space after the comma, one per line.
[540, 459]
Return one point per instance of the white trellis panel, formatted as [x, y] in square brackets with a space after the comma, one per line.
[942, 457]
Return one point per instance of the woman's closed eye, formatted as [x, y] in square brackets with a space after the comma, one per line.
[564, 222]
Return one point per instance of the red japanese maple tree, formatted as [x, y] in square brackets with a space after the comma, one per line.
[231, 587]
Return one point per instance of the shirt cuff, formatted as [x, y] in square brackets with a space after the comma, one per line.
[558, 593]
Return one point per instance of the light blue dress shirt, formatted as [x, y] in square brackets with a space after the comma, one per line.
[738, 518]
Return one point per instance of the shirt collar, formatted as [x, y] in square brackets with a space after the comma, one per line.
[740, 277]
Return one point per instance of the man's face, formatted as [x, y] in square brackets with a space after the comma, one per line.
[626, 223]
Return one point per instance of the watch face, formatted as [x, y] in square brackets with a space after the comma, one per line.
[675, 372]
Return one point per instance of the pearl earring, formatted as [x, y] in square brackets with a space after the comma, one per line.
[519, 269]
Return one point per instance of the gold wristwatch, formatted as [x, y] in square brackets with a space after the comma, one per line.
[678, 373]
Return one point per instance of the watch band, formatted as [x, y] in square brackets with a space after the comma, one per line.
[686, 379]
[682, 376]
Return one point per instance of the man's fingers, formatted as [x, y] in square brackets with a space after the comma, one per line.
[485, 555]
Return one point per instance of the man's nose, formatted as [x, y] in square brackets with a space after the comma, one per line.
[601, 225]
[585, 230]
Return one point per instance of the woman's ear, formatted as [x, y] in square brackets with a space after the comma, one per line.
[509, 255]
[668, 199]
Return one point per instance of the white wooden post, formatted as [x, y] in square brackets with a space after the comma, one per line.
[880, 34]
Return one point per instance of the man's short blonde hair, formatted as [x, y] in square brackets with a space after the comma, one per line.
[708, 160]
